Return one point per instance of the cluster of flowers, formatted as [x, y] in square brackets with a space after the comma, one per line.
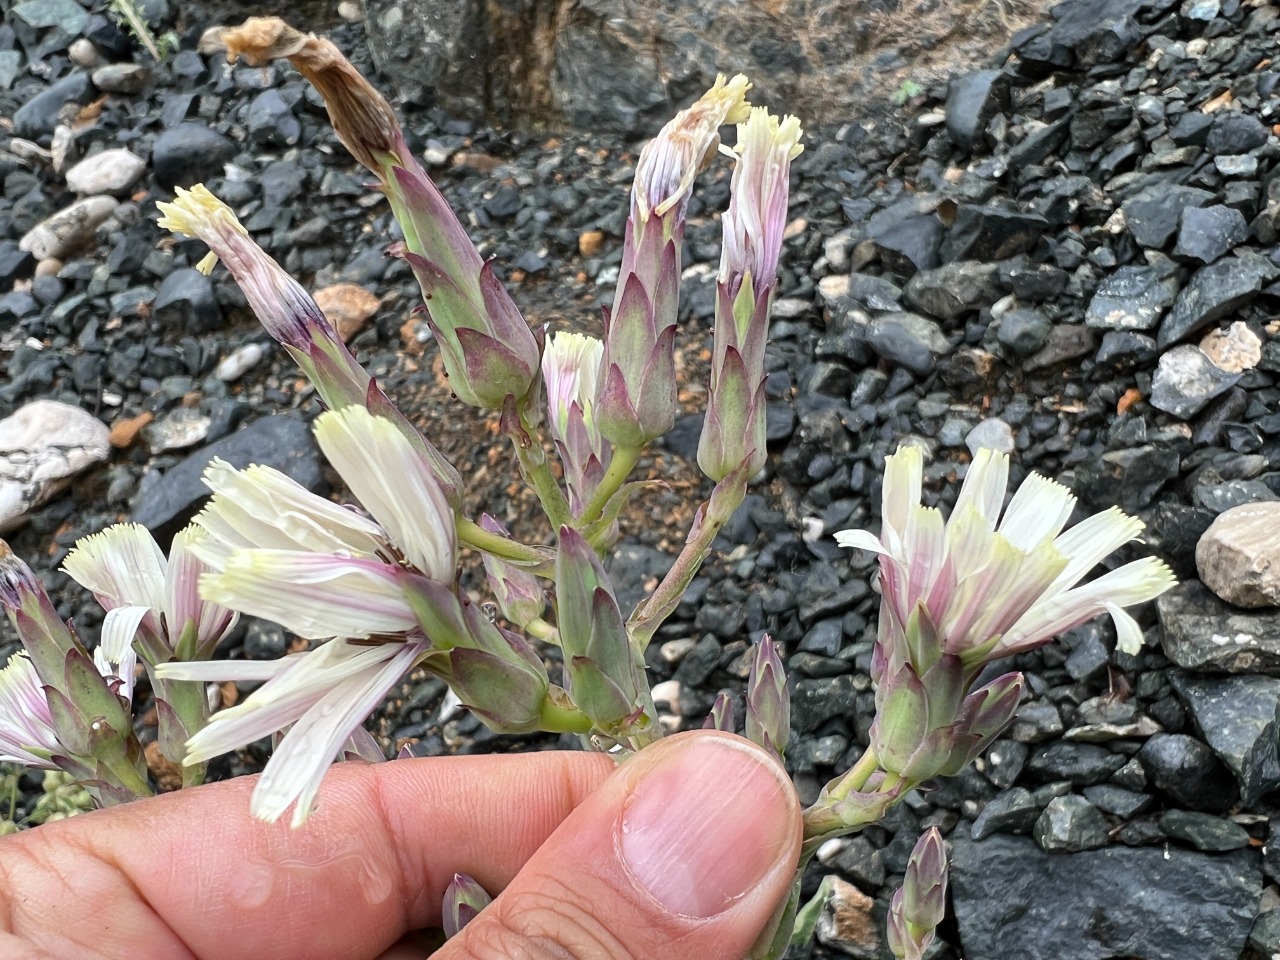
[376, 587]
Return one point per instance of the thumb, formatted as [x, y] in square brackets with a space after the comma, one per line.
[682, 854]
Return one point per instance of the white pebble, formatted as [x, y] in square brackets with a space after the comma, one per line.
[235, 365]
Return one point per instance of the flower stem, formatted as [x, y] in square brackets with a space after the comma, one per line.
[527, 443]
[857, 776]
[712, 515]
[474, 535]
[620, 466]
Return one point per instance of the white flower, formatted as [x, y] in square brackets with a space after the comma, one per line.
[26, 725]
[128, 574]
[319, 569]
[315, 595]
[757, 214]
[321, 697]
[571, 371]
[995, 585]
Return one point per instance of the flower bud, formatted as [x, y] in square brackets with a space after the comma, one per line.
[637, 390]
[602, 673]
[520, 597]
[733, 432]
[920, 905]
[721, 715]
[463, 899]
[570, 369]
[768, 702]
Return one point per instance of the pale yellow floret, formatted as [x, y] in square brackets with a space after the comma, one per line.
[779, 136]
[198, 213]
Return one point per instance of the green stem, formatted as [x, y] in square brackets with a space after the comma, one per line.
[541, 630]
[537, 473]
[474, 535]
[856, 778]
[556, 717]
[650, 614]
[620, 466]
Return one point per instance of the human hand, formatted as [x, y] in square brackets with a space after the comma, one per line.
[682, 853]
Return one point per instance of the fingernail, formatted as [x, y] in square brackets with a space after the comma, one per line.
[706, 825]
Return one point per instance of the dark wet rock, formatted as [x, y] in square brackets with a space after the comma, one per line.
[1036, 722]
[1265, 935]
[1192, 129]
[1117, 801]
[186, 297]
[1202, 633]
[1153, 214]
[1214, 292]
[948, 291]
[911, 244]
[167, 502]
[1101, 904]
[1070, 824]
[1239, 717]
[38, 116]
[1186, 380]
[972, 100]
[875, 293]
[1011, 811]
[1123, 349]
[1035, 282]
[814, 702]
[1202, 831]
[1188, 772]
[907, 340]
[1024, 331]
[1077, 763]
[1238, 557]
[1221, 497]
[271, 120]
[1066, 341]
[127, 78]
[986, 233]
[188, 154]
[860, 862]
[1132, 298]
[1235, 132]
[1208, 233]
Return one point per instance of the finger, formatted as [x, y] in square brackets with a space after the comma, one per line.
[683, 854]
[192, 874]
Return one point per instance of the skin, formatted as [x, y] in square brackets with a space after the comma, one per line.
[192, 875]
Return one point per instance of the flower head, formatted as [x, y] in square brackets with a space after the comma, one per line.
[27, 736]
[734, 431]
[636, 401]
[757, 213]
[320, 698]
[993, 583]
[670, 161]
[278, 551]
[284, 307]
[129, 576]
[570, 369]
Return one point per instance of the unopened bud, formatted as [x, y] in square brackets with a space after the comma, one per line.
[920, 905]
[768, 702]
[463, 899]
